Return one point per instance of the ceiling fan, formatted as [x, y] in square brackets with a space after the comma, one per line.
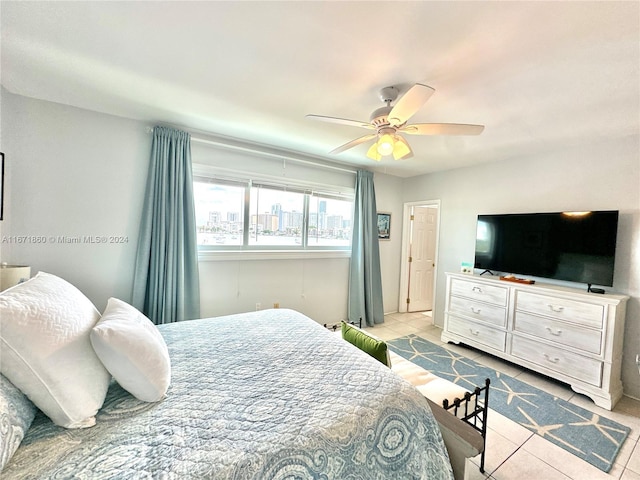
[389, 122]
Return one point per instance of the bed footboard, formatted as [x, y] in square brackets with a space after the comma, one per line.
[461, 439]
[472, 409]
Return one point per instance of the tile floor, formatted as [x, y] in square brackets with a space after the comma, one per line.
[513, 452]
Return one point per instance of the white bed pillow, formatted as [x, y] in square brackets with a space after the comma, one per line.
[133, 350]
[45, 349]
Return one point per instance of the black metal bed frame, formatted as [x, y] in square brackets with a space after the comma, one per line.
[474, 414]
[336, 326]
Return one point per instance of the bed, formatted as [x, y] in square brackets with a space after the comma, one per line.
[261, 395]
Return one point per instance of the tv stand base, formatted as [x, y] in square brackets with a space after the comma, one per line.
[594, 290]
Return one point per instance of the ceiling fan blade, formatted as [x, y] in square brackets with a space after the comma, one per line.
[409, 104]
[442, 129]
[401, 149]
[341, 121]
[353, 143]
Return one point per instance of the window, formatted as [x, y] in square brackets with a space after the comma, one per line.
[219, 212]
[329, 221]
[277, 216]
[243, 214]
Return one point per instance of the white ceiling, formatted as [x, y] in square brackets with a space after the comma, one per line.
[541, 76]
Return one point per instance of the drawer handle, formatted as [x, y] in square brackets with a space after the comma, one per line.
[552, 360]
[557, 333]
[556, 308]
[476, 289]
[475, 310]
[474, 332]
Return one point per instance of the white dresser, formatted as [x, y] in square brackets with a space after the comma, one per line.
[564, 333]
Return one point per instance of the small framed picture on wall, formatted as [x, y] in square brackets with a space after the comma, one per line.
[384, 226]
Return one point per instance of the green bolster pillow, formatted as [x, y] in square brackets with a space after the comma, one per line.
[365, 342]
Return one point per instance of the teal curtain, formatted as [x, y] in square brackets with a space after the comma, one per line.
[365, 279]
[166, 285]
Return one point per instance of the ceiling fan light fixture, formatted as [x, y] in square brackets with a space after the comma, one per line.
[385, 144]
[400, 149]
[373, 154]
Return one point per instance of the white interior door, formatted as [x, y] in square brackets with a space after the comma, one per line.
[422, 258]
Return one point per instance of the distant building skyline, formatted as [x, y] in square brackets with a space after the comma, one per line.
[279, 220]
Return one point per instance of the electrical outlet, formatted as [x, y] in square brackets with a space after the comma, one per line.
[258, 306]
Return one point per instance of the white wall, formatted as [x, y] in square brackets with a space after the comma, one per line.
[389, 200]
[74, 173]
[315, 287]
[2, 94]
[601, 175]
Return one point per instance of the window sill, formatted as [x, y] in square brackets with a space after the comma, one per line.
[227, 255]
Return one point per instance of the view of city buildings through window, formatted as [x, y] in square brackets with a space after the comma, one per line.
[276, 217]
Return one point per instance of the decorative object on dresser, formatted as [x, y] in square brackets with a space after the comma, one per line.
[564, 333]
[11, 275]
[511, 278]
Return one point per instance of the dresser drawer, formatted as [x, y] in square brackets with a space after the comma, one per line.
[587, 314]
[481, 311]
[483, 334]
[557, 359]
[568, 334]
[479, 291]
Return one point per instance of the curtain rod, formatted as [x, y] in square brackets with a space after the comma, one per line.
[245, 147]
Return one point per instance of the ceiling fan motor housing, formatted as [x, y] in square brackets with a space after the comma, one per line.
[379, 117]
[388, 94]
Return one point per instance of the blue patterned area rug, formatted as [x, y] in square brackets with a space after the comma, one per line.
[587, 435]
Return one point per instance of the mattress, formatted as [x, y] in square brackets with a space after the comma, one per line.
[262, 395]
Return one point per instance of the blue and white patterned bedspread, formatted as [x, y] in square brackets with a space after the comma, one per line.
[264, 395]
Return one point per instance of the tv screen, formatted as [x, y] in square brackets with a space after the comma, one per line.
[571, 246]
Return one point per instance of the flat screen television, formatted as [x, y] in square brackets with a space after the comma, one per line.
[571, 246]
